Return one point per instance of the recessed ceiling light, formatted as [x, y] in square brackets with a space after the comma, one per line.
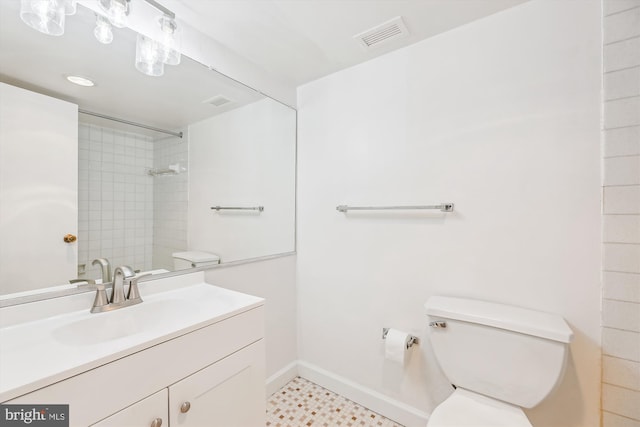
[81, 81]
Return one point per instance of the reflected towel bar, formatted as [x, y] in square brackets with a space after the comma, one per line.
[236, 208]
[444, 207]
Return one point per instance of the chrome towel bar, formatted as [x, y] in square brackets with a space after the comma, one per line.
[444, 207]
[238, 208]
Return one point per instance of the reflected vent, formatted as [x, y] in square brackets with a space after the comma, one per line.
[391, 30]
[217, 101]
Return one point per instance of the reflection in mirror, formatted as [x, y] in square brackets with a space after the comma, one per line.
[138, 196]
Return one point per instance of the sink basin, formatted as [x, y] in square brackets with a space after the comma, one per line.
[121, 323]
[42, 350]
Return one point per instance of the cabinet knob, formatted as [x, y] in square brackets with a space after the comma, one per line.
[156, 423]
[69, 238]
[184, 408]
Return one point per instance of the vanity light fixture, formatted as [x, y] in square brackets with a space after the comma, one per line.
[117, 11]
[103, 30]
[81, 81]
[170, 39]
[46, 16]
[149, 56]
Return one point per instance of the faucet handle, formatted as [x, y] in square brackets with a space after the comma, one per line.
[101, 301]
[134, 294]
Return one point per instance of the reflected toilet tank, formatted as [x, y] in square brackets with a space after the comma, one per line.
[194, 259]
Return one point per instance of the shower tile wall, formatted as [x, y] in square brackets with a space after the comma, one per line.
[115, 198]
[621, 219]
[170, 197]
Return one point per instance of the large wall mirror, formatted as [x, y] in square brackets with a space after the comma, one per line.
[209, 178]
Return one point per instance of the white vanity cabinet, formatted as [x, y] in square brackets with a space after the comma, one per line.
[225, 394]
[219, 369]
[152, 411]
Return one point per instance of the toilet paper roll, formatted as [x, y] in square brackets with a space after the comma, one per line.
[395, 346]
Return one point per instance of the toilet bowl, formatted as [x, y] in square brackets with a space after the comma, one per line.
[500, 359]
[194, 259]
[468, 409]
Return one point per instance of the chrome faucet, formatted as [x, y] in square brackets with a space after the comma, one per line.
[122, 275]
[105, 267]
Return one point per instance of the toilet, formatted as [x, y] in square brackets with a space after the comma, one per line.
[194, 259]
[499, 358]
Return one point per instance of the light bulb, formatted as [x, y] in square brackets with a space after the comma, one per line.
[170, 40]
[149, 56]
[46, 16]
[103, 31]
[116, 11]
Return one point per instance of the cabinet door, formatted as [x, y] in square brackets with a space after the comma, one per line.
[229, 393]
[149, 412]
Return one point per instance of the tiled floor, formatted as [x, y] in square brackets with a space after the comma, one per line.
[302, 403]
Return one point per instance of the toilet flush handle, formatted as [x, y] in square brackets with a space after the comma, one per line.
[438, 324]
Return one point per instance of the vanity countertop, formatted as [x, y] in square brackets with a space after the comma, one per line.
[37, 351]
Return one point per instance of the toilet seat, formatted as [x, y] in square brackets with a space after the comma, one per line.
[465, 408]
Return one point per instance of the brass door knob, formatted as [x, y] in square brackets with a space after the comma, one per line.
[69, 238]
[184, 408]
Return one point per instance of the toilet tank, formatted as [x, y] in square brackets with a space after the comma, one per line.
[509, 353]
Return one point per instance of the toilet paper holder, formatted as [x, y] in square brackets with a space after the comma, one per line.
[412, 339]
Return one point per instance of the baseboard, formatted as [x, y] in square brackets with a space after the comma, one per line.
[393, 409]
[280, 378]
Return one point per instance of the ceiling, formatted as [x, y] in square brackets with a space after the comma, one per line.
[296, 41]
[302, 40]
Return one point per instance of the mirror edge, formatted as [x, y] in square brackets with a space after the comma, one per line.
[9, 302]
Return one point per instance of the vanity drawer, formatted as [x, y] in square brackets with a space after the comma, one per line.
[134, 377]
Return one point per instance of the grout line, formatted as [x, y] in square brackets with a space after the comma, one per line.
[621, 127]
[621, 156]
[618, 12]
[622, 330]
[621, 41]
[621, 300]
[622, 243]
[621, 386]
[621, 69]
[621, 185]
[622, 98]
[616, 271]
[621, 416]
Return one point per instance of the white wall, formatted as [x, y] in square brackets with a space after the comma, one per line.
[273, 280]
[621, 219]
[243, 158]
[500, 117]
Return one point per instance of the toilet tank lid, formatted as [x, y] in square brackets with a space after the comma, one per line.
[502, 316]
[196, 256]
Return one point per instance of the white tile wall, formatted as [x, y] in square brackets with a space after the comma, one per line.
[115, 197]
[621, 219]
[617, 6]
[170, 198]
[622, 141]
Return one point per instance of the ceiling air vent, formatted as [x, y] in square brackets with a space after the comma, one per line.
[217, 101]
[393, 29]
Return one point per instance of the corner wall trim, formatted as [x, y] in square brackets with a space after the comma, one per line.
[390, 408]
[278, 380]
